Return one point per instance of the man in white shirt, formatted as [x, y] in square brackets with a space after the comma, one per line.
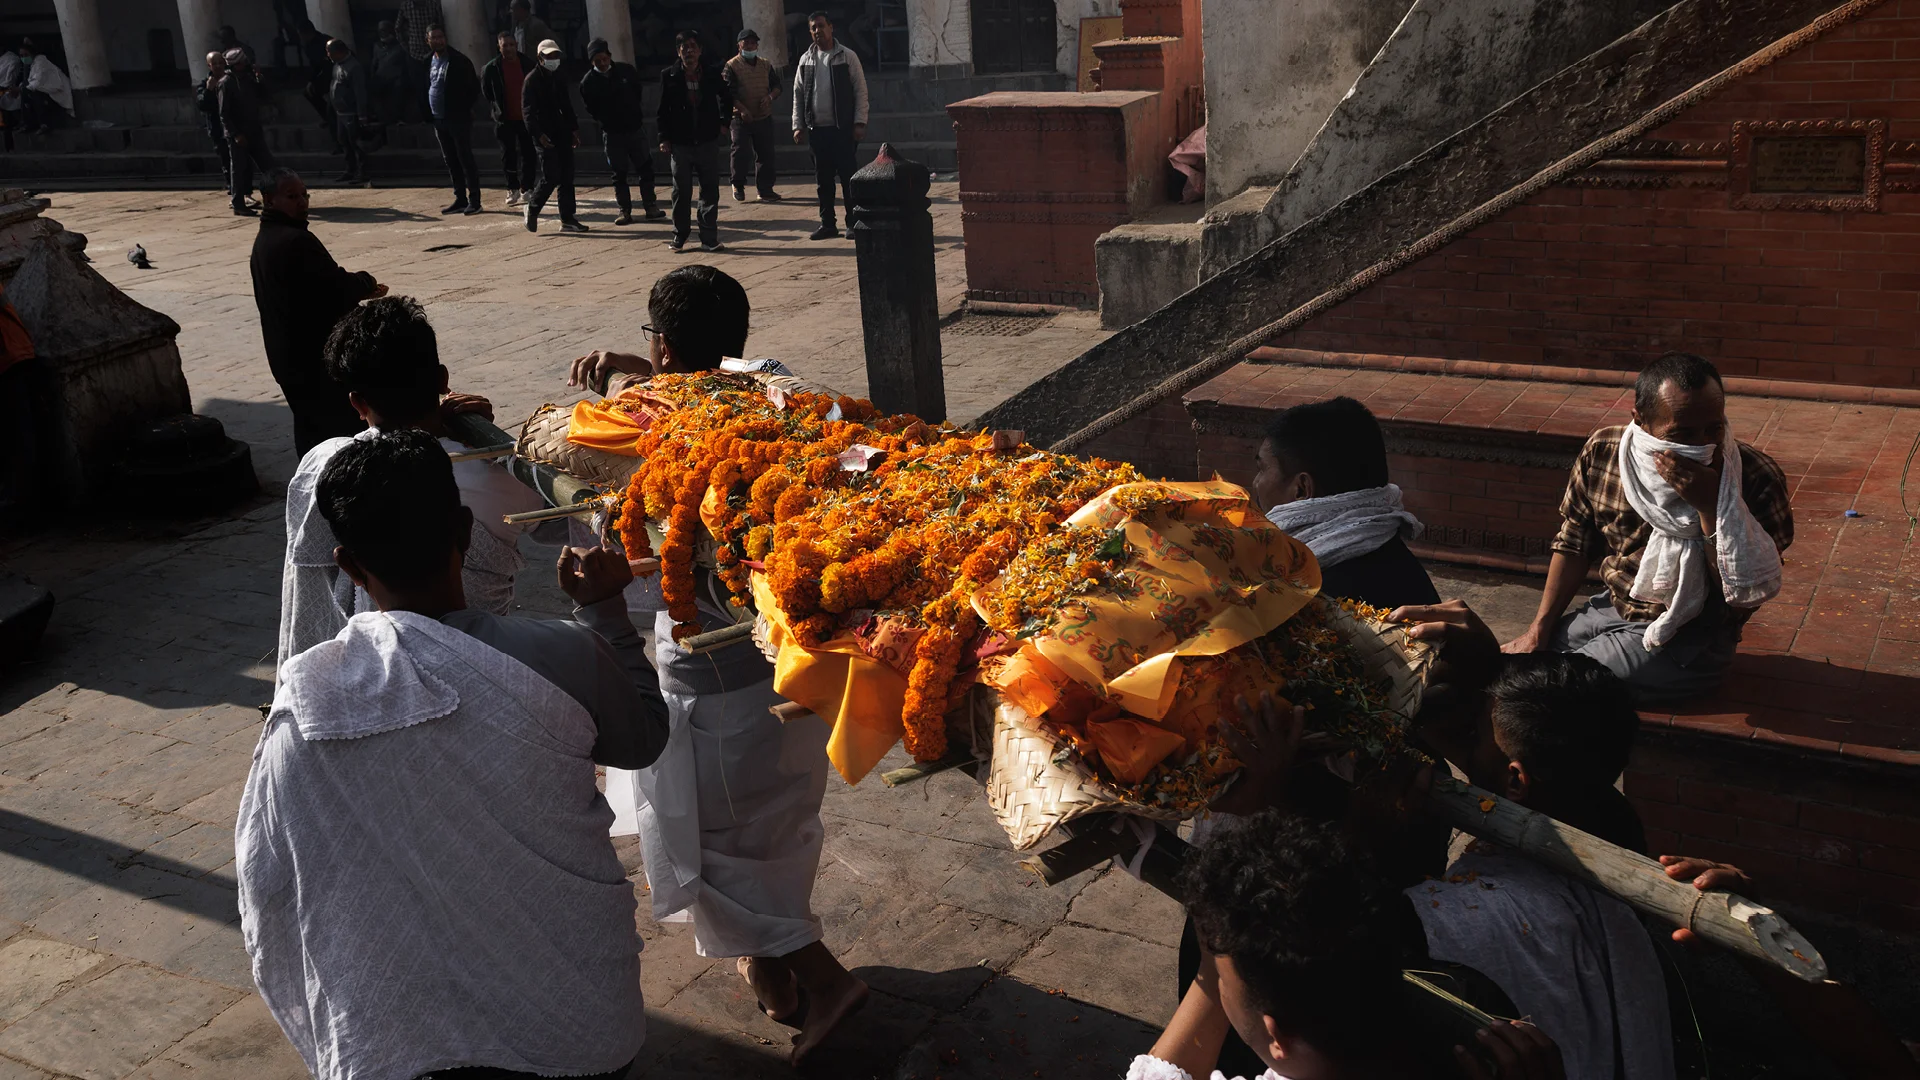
[386, 356]
[426, 882]
[830, 113]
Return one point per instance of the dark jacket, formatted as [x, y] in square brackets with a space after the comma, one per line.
[613, 97]
[240, 105]
[684, 124]
[1387, 577]
[206, 97]
[462, 89]
[301, 292]
[549, 112]
[493, 85]
[390, 62]
[348, 93]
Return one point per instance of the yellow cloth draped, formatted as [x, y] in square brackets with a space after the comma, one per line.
[863, 698]
[1212, 574]
[615, 424]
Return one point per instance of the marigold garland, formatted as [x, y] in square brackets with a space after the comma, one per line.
[934, 514]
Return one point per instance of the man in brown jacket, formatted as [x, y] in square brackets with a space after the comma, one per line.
[755, 84]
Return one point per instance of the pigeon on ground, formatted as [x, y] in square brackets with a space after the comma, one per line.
[138, 257]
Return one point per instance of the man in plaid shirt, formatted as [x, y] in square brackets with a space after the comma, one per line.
[1678, 398]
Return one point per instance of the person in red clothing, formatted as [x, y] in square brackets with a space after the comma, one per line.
[500, 82]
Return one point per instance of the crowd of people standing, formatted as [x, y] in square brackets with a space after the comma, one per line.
[415, 73]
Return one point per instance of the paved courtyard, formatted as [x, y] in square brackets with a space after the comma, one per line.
[124, 744]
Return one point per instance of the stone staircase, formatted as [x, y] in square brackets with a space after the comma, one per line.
[154, 137]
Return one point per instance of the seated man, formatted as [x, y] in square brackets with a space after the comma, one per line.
[426, 881]
[1307, 943]
[729, 818]
[384, 352]
[1322, 477]
[1687, 525]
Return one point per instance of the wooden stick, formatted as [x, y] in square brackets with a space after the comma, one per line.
[482, 453]
[578, 509]
[789, 711]
[1726, 919]
[718, 639]
[644, 566]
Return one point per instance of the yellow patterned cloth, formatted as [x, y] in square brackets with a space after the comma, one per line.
[1213, 574]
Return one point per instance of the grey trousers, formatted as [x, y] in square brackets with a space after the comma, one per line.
[1690, 665]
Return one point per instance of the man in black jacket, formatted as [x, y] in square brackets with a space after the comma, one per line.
[611, 91]
[694, 104]
[206, 97]
[501, 82]
[352, 102]
[452, 88]
[549, 112]
[301, 292]
[240, 117]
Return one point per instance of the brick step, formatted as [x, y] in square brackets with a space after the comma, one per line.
[1811, 748]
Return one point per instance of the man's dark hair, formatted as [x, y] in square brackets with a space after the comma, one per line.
[506, 35]
[812, 15]
[703, 314]
[1337, 442]
[271, 180]
[1684, 370]
[1309, 923]
[519, 4]
[432, 26]
[392, 502]
[385, 351]
[1565, 717]
[685, 36]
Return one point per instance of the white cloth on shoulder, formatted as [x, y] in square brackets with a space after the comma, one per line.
[1148, 1067]
[1574, 961]
[1340, 527]
[425, 879]
[46, 77]
[1679, 556]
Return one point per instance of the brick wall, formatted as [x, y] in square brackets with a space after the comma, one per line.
[1840, 837]
[1160, 443]
[1648, 254]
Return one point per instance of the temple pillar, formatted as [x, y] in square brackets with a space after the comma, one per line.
[332, 17]
[85, 44]
[468, 30]
[610, 19]
[768, 18]
[199, 32]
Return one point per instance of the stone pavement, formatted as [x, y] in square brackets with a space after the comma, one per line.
[125, 742]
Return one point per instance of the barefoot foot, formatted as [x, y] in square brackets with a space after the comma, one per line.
[828, 1008]
[774, 985]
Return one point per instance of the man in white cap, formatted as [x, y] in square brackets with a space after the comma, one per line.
[555, 131]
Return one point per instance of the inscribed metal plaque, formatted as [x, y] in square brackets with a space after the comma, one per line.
[1813, 164]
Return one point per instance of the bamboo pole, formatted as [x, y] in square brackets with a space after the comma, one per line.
[482, 453]
[551, 513]
[718, 639]
[1726, 919]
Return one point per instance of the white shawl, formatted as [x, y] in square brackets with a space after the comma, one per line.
[1348, 525]
[1679, 556]
[425, 876]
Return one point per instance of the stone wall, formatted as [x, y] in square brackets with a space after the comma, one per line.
[1274, 70]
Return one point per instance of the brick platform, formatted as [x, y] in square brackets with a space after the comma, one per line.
[1811, 749]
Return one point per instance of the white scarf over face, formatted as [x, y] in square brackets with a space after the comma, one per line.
[1679, 556]
[1348, 525]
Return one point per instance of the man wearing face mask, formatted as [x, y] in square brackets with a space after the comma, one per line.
[1321, 475]
[1687, 525]
[611, 91]
[550, 120]
[756, 86]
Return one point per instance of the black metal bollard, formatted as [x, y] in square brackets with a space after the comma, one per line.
[899, 307]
